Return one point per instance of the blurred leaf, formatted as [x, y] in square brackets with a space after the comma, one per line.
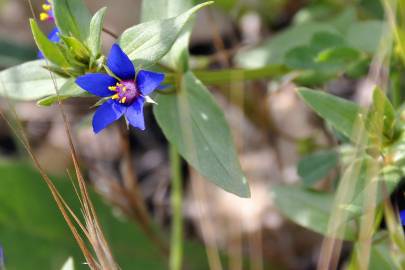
[301, 58]
[50, 50]
[273, 51]
[340, 113]
[307, 208]
[380, 257]
[72, 18]
[177, 57]
[96, 27]
[147, 43]
[31, 227]
[29, 81]
[69, 89]
[13, 53]
[341, 55]
[383, 184]
[78, 51]
[224, 4]
[366, 36]
[316, 166]
[193, 122]
[381, 118]
[343, 21]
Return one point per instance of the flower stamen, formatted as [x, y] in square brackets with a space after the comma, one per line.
[46, 7]
[43, 16]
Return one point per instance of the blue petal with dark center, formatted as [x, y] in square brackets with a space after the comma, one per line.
[97, 84]
[134, 114]
[119, 63]
[402, 216]
[106, 114]
[148, 81]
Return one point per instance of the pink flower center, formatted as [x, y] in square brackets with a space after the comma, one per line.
[126, 92]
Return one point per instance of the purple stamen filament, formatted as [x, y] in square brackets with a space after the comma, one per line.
[125, 92]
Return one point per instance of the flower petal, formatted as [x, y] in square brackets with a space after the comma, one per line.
[54, 35]
[106, 114]
[402, 216]
[119, 63]
[134, 114]
[148, 81]
[96, 83]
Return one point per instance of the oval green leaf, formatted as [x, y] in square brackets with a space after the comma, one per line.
[193, 122]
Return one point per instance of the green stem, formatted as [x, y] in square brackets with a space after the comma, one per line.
[226, 76]
[176, 246]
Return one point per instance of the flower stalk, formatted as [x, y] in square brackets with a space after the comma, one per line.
[176, 246]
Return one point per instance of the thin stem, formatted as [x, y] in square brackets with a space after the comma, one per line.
[110, 32]
[225, 76]
[176, 250]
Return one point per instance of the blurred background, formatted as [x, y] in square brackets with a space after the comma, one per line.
[272, 128]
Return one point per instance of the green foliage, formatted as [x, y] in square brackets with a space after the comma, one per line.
[96, 27]
[31, 227]
[341, 114]
[316, 166]
[193, 122]
[69, 89]
[309, 209]
[177, 57]
[29, 81]
[273, 51]
[148, 42]
[50, 49]
[72, 18]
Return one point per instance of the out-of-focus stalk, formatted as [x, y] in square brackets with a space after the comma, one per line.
[176, 246]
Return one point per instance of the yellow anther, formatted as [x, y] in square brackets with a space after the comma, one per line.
[123, 99]
[124, 89]
[119, 84]
[116, 96]
[112, 88]
[43, 16]
[46, 7]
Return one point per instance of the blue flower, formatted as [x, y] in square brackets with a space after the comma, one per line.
[125, 90]
[1, 258]
[402, 217]
[54, 37]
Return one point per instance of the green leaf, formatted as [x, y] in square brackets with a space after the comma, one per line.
[381, 118]
[273, 51]
[366, 185]
[50, 50]
[366, 35]
[307, 208]
[69, 89]
[29, 81]
[340, 113]
[13, 52]
[196, 126]
[29, 217]
[78, 50]
[317, 166]
[147, 43]
[178, 56]
[96, 28]
[72, 18]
